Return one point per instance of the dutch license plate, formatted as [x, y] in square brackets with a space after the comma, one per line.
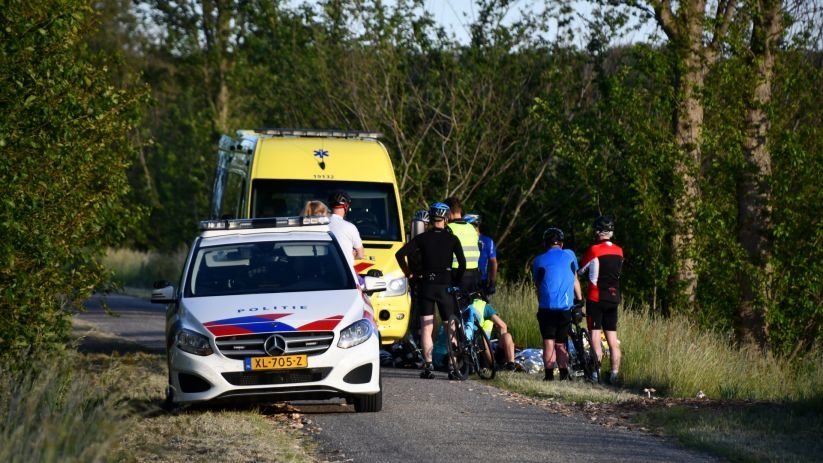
[276, 363]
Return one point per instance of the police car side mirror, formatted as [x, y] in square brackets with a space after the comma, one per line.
[163, 292]
[373, 285]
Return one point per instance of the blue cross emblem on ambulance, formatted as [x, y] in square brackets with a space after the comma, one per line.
[321, 156]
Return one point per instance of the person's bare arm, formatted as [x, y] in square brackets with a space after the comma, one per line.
[492, 271]
[359, 253]
[578, 293]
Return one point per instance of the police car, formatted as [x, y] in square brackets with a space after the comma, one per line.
[269, 310]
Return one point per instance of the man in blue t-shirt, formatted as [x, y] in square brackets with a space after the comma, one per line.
[555, 275]
[488, 257]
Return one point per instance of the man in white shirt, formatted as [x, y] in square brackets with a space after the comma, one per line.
[345, 232]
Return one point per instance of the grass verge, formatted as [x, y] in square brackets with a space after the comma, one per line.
[103, 404]
[731, 429]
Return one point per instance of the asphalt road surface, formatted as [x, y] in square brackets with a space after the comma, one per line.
[430, 420]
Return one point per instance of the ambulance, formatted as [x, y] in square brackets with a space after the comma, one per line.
[274, 172]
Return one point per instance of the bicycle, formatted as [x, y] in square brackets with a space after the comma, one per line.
[582, 358]
[467, 345]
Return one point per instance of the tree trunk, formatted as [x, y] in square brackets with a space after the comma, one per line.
[686, 33]
[754, 191]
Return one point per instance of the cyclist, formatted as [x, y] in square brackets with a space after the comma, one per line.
[603, 262]
[468, 239]
[555, 276]
[346, 232]
[487, 263]
[437, 248]
[503, 349]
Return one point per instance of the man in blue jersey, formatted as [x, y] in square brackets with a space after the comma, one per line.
[555, 276]
[488, 257]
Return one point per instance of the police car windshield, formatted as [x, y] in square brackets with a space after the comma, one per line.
[268, 267]
[373, 208]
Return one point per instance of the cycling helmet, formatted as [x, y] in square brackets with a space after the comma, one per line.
[339, 198]
[473, 219]
[422, 215]
[439, 211]
[603, 223]
[553, 236]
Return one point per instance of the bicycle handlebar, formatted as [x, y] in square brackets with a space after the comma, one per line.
[471, 295]
[577, 311]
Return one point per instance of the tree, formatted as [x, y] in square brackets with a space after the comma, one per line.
[754, 191]
[65, 152]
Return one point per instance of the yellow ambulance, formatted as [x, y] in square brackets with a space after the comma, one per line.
[274, 172]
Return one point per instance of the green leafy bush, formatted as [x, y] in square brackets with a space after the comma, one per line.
[64, 153]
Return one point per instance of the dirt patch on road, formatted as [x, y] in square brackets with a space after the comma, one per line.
[625, 414]
[91, 340]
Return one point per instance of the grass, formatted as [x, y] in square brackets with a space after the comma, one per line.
[136, 269]
[745, 432]
[757, 408]
[46, 407]
[94, 407]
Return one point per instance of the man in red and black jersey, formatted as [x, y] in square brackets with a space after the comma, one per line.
[603, 262]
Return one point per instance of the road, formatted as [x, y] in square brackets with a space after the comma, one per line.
[430, 420]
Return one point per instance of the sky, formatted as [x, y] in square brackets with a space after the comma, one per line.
[456, 15]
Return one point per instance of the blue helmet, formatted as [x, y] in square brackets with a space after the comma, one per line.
[439, 210]
[473, 219]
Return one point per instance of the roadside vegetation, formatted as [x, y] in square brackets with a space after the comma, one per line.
[106, 407]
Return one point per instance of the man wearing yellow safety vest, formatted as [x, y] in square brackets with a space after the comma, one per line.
[467, 235]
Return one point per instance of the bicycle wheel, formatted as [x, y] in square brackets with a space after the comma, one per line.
[588, 357]
[456, 345]
[482, 354]
[574, 349]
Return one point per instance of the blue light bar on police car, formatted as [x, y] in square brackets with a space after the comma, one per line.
[266, 222]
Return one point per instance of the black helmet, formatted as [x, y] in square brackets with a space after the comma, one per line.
[553, 236]
[603, 223]
[439, 211]
[339, 198]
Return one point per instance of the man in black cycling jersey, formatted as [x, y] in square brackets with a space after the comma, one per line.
[437, 249]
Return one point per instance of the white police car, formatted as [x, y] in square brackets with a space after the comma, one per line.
[269, 310]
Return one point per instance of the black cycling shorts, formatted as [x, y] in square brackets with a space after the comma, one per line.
[554, 324]
[601, 315]
[429, 294]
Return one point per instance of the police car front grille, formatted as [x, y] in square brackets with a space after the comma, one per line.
[262, 378]
[297, 342]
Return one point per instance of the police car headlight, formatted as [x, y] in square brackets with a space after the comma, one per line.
[193, 343]
[356, 333]
[396, 287]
